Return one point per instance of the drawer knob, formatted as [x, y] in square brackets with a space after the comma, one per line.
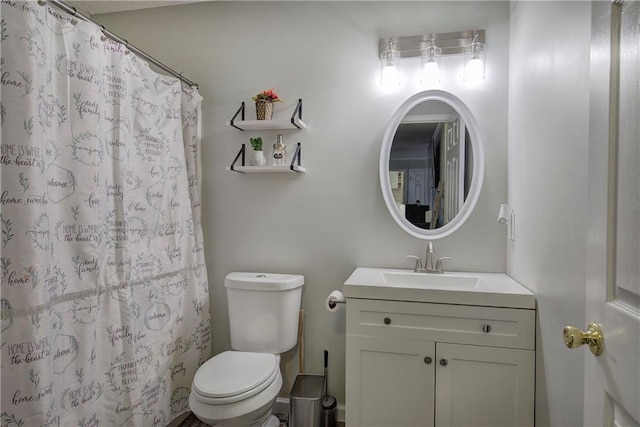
[427, 360]
[444, 362]
[486, 328]
[387, 320]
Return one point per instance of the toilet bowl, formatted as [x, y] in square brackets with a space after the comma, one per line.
[239, 388]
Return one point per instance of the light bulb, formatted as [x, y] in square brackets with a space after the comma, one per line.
[430, 73]
[390, 76]
[473, 72]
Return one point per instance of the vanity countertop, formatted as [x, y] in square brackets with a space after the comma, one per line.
[482, 289]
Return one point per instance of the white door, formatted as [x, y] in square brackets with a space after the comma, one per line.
[612, 380]
[454, 168]
[418, 187]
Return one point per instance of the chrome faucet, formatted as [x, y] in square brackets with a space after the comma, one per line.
[428, 262]
[428, 259]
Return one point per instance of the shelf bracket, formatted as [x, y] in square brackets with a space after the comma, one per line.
[297, 158]
[240, 153]
[297, 111]
[240, 111]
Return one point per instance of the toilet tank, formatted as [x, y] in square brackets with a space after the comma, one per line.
[263, 311]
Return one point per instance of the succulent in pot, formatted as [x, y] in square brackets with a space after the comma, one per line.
[256, 157]
[256, 143]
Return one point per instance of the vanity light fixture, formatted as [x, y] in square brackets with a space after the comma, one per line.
[389, 74]
[430, 74]
[474, 60]
[431, 48]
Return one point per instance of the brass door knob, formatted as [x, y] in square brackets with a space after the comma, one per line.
[574, 337]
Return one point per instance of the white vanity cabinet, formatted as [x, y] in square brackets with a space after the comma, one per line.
[426, 364]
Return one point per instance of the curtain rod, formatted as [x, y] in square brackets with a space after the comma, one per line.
[73, 11]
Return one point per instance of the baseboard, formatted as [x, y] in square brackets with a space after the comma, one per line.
[282, 407]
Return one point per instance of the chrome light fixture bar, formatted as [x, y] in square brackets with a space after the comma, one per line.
[450, 43]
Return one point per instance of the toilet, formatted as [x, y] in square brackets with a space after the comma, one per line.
[239, 387]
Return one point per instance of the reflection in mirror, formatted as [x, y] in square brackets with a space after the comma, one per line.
[431, 164]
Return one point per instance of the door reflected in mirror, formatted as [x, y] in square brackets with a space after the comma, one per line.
[430, 164]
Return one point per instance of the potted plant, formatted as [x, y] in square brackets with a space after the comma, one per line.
[257, 155]
[264, 104]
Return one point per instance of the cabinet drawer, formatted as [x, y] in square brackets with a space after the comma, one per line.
[460, 324]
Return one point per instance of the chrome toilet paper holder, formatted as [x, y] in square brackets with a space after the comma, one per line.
[334, 301]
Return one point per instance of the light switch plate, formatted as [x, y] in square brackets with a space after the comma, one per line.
[512, 227]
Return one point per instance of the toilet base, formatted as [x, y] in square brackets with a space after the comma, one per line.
[270, 421]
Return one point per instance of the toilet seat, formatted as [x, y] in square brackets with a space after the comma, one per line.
[233, 376]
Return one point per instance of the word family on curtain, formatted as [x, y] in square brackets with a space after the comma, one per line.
[105, 305]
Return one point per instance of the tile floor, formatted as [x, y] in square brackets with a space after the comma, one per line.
[192, 421]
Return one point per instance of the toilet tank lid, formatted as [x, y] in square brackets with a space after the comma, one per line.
[263, 281]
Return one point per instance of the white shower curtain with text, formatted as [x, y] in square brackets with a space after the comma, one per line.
[105, 306]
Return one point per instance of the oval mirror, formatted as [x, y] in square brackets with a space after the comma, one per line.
[431, 164]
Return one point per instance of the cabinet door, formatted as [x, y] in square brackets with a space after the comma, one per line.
[389, 382]
[484, 386]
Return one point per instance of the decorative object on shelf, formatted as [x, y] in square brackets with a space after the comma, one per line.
[294, 122]
[264, 104]
[279, 156]
[264, 110]
[257, 155]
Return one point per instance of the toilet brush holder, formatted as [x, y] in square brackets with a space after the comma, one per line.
[329, 403]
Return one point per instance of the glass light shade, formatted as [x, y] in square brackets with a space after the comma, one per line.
[474, 62]
[389, 74]
[430, 71]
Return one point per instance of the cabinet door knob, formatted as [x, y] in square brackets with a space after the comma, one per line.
[444, 362]
[427, 360]
[387, 320]
[486, 328]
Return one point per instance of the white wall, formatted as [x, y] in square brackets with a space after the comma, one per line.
[332, 219]
[548, 147]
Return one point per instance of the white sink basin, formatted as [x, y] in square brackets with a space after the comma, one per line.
[431, 281]
[486, 289]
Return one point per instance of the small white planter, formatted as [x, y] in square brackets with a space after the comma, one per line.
[256, 158]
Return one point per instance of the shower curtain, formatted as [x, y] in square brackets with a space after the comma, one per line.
[105, 307]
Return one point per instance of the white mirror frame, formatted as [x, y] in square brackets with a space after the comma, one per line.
[478, 164]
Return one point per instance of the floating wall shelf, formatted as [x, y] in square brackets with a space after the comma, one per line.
[267, 169]
[294, 166]
[295, 122]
